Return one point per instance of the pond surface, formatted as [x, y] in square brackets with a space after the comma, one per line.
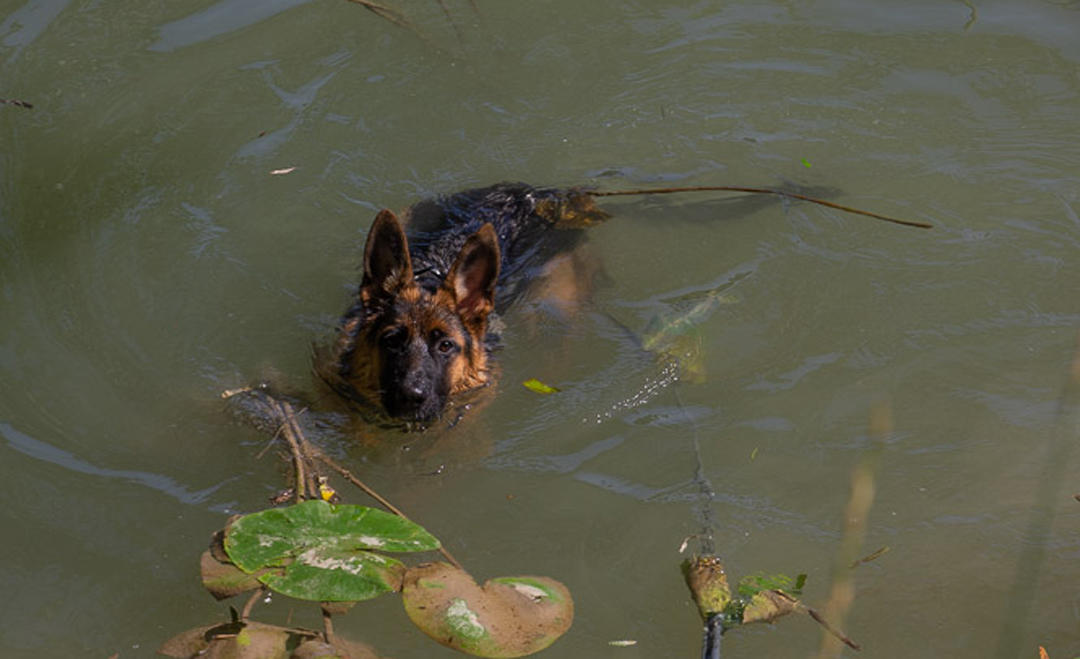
[150, 259]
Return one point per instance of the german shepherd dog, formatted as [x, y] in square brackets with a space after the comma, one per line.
[421, 330]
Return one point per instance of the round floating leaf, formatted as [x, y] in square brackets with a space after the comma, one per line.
[322, 551]
[255, 641]
[224, 580]
[219, 575]
[506, 617]
[251, 640]
[194, 641]
[268, 538]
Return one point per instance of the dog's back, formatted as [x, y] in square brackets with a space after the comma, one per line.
[533, 225]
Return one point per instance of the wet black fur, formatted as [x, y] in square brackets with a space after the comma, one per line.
[438, 228]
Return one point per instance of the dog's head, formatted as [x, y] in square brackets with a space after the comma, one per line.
[412, 348]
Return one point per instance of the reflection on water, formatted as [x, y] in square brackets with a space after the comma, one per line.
[150, 260]
[22, 26]
[41, 451]
[221, 18]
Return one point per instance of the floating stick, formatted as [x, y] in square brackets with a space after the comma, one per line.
[782, 193]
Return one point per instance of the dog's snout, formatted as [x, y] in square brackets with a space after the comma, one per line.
[414, 393]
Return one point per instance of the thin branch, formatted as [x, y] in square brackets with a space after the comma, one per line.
[782, 193]
[277, 433]
[453, 22]
[974, 14]
[12, 101]
[347, 475]
[292, 435]
[396, 17]
[832, 630]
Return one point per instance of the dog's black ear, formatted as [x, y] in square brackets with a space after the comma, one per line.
[471, 282]
[387, 266]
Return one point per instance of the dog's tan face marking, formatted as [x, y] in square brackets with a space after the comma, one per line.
[412, 349]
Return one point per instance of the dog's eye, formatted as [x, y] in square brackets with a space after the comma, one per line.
[442, 342]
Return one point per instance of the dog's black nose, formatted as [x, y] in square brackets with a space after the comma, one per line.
[414, 394]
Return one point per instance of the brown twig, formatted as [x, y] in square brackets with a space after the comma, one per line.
[12, 101]
[782, 193]
[872, 557]
[479, 14]
[453, 22]
[974, 14]
[832, 630]
[347, 475]
[394, 16]
[290, 430]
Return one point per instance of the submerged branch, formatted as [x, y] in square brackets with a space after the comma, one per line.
[832, 630]
[394, 16]
[453, 21]
[12, 101]
[782, 193]
[290, 430]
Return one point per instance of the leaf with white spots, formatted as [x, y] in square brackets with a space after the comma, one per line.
[323, 551]
[327, 575]
[506, 617]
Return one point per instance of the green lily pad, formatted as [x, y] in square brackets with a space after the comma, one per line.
[506, 617]
[323, 552]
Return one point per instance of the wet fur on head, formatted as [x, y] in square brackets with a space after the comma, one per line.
[409, 347]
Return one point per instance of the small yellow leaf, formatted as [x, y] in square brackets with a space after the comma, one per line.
[539, 387]
[327, 493]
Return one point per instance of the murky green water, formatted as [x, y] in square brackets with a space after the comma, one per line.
[149, 260]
